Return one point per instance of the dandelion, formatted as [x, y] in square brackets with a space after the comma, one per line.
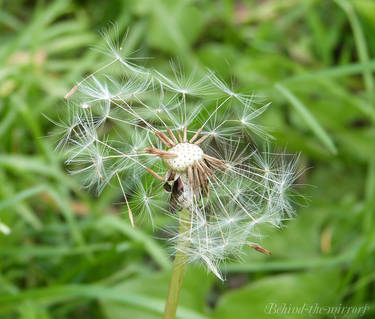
[197, 139]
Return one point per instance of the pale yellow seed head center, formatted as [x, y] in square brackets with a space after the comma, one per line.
[187, 155]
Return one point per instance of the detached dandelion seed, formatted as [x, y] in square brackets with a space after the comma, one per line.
[193, 137]
[4, 229]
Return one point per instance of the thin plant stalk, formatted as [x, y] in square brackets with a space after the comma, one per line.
[178, 270]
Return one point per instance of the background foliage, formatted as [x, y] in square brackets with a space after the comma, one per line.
[74, 255]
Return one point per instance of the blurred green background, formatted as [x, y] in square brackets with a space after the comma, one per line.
[71, 254]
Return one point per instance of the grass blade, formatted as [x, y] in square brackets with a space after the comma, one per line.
[308, 118]
[152, 247]
[359, 39]
[51, 295]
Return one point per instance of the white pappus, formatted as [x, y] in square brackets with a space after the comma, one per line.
[195, 135]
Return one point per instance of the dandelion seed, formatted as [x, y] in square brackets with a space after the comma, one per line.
[245, 99]
[4, 229]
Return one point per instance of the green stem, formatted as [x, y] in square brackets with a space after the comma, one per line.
[178, 270]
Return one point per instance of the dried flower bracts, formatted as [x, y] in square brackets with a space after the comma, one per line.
[189, 160]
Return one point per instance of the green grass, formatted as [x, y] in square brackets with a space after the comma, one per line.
[74, 255]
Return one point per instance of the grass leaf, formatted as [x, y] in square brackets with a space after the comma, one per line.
[308, 118]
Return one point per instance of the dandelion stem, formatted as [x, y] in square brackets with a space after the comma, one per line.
[178, 271]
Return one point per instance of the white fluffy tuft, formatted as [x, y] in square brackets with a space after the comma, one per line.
[112, 122]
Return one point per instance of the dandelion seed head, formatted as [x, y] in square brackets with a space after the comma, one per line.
[190, 134]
